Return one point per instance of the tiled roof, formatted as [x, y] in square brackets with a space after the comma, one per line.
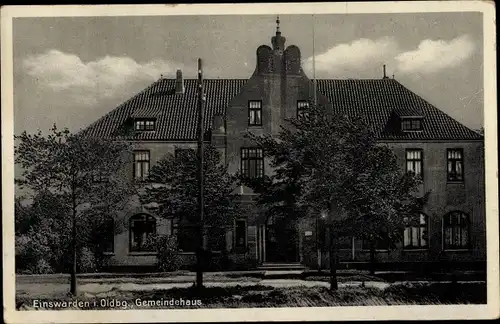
[379, 101]
[176, 114]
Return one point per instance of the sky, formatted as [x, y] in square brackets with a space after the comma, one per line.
[73, 70]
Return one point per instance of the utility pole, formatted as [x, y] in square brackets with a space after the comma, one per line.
[314, 63]
[73, 288]
[201, 237]
[315, 94]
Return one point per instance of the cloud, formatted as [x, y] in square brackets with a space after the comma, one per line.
[432, 56]
[367, 56]
[87, 82]
[356, 55]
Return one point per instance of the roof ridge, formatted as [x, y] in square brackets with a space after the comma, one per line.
[356, 79]
[205, 79]
[317, 79]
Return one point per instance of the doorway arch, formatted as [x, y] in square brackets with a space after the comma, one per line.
[281, 240]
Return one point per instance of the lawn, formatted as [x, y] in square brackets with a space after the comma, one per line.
[268, 296]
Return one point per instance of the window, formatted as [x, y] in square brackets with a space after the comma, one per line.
[108, 230]
[415, 233]
[456, 227]
[240, 234]
[142, 231]
[145, 124]
[411, 124]
[141, 165]
[252, 162]
[455, 164]
[302, 107]
[414, 161]
[255, 113]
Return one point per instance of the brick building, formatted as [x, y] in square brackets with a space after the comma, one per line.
[448, 155]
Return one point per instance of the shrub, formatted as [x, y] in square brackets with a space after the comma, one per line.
[42, 266]
[44, 232]
[87, 261]
[168, 258]
[32, 253]
[250, 262]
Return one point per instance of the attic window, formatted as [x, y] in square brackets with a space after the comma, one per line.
[411, 124]
[145, 125]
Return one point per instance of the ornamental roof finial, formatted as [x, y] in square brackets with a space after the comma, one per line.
[278, 41]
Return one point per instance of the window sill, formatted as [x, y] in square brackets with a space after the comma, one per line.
[142, 253]
[458, 250]
[255, 126]
[108, 253]
[365, 250]
[415, 249]
[455, 182]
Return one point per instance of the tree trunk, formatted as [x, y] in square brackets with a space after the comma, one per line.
[372, 256]
[73, 290]
[333, 260]
[199, 259]
[318, 246]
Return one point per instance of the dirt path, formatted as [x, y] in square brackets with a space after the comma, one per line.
[114, 287]
[107, 289]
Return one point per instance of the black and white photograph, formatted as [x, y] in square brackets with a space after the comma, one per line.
[260, 161]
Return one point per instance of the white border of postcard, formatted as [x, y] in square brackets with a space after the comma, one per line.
[442, 312]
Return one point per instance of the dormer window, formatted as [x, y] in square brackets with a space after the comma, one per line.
[411, 124]
[145, 124]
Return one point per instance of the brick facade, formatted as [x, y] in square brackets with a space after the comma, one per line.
[278, 82]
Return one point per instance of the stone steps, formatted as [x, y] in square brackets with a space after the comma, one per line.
[275, 266]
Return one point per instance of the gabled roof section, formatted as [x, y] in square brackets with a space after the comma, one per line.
[381, 102]
[176, 114]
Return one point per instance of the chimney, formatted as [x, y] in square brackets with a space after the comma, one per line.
[179, 83]
[385, 75]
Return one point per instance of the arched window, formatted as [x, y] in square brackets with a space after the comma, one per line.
[142, 231]
[416, 233]
[456, 231]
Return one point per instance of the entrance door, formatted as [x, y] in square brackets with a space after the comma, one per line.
[281, 240]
